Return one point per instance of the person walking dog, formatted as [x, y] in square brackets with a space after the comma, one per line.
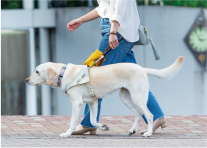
[117, 18]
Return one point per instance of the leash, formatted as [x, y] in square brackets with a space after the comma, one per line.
[107, 50]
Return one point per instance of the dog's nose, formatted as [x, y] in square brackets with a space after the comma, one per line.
[27, 80]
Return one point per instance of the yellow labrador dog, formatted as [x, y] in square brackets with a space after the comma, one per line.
[130, 78]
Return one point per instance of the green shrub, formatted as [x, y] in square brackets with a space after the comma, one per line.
[17, 4]
[69, 3]
[76, 3]
[184, 3]
[11, 4]
[187, 3]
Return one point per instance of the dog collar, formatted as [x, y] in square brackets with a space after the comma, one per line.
[61, 75]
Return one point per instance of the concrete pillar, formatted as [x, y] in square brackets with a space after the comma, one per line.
[31, 96]
[28, 4]
[200, 91]
[204, 75]
[90, 3]
[146, 2]
[45, 57]
[43, 4]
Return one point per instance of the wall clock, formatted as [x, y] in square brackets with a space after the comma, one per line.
[196, 39]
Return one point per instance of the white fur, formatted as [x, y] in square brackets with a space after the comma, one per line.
[130, 78]
[168, 72]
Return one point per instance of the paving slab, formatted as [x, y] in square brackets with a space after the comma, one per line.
[44, 131]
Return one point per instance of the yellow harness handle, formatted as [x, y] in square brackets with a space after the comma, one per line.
[93, 58]
[97, 58]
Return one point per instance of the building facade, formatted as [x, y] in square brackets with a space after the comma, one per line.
[41, 35]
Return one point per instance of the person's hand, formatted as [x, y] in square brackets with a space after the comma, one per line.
[74, 24]
[113, 41]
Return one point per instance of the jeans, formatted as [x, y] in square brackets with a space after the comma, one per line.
[122, 53]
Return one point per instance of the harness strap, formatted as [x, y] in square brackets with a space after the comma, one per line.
[82, 78]
[90, 89]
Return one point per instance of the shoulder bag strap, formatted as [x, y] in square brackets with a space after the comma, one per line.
[141, 21]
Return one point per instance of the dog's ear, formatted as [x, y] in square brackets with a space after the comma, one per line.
[50, 75]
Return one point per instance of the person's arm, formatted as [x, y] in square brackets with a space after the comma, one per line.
[113, 41]
[74, 24]
[90, 16]
[121, 7]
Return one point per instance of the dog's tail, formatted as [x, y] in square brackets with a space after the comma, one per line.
[168, 72]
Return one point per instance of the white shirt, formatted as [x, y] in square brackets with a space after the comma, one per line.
[125, 13]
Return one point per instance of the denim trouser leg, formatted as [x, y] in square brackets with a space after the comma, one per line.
[86, 120]
[153, 107]
[122, 53]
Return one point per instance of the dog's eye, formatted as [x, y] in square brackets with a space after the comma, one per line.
[37, 72]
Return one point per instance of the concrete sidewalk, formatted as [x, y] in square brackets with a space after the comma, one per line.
[44, 131]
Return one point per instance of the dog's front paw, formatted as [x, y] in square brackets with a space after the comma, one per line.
[64, 135]
[147, 134]
[104, 127]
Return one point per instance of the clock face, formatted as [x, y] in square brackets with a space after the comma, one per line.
[198, 39]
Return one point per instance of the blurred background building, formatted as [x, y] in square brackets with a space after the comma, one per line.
[34, 32]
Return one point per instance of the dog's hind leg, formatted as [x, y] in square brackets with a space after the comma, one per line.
[138, 99]
[93, 115]
[126, 99]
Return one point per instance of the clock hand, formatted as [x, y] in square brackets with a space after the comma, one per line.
[199, 38]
